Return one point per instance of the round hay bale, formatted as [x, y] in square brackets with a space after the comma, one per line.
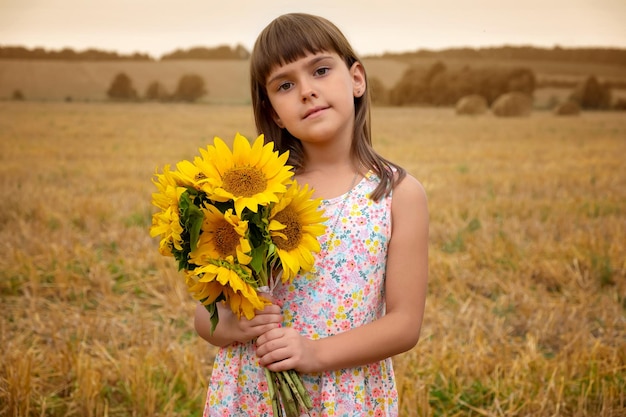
[513, 104]
[568, 108]
[472, 105]
[620, 104]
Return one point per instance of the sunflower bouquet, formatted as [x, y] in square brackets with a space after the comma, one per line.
[237, 224]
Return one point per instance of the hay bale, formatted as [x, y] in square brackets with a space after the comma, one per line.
[513, 104]
[620, 104]
[472, 105]
[568, 108]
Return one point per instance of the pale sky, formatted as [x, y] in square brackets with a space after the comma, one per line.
[372, 26]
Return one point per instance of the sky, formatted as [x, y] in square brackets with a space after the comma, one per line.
[157, 27]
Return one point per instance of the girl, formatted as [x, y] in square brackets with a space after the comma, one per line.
[339, 325]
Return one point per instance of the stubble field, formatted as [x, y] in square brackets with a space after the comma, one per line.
[526, 312]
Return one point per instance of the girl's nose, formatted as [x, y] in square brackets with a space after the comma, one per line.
[307, 92]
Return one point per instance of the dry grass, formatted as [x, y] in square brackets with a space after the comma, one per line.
[526, 313]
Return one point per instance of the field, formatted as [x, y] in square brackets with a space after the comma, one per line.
[526, 312]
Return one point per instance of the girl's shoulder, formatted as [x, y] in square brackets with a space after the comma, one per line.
[409, 195]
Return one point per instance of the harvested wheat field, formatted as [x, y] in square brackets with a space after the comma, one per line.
[526, 313]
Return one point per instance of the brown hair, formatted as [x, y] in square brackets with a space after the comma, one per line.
[287, 39]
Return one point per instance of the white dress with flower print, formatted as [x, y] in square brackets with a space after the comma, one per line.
[345, 290]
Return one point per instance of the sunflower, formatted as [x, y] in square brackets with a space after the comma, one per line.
[230, 280]
[166, 223]
[295, 224]
[189, 174]
[223, 237]
[166, 183]
[250, 176]
[207, 292]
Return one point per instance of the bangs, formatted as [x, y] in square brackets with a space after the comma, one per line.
[291, 37]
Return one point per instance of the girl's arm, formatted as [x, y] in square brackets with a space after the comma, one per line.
[406, 285]
[232, 329]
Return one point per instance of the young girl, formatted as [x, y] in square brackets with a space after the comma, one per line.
[339, 325]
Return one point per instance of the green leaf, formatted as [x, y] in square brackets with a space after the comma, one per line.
[212, 309]
[191, 218]
[259, 258]
[271, 250]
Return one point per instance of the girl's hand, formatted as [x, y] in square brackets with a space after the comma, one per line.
[284, 348]
[265, 320]
[233, 329]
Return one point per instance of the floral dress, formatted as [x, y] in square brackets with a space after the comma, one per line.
[344, 290]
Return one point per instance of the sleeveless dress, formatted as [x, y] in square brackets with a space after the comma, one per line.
[344, 290]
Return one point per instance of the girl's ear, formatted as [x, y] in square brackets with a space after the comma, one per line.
[357, 73]
[270, 109]
[277, 120]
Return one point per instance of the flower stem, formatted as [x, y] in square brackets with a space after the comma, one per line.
[273, 391]
[304, 397]
[289, 403]
[294, 390]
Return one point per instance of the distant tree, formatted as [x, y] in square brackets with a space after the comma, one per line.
[436, 83]
[241, 52]
[410, 89]
[122, 88]
[378, 92]
[591, 94]
[18, 95]
[190, 88]
[522, 80]
[156, 91]
[436, 69]
[67, 54]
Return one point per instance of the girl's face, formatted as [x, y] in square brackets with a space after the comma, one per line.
[313, 97]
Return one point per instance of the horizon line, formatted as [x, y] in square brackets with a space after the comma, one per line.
[371, 54]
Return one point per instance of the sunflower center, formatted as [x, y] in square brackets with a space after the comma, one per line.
[293, 229]
[226, 238]
[244, 181]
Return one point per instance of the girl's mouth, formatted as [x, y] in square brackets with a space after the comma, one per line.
[313, 111]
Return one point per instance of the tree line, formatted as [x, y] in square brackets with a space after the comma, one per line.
[613, 56]
[190, 87]
[219, 52]
[68, 54]
[439, 86]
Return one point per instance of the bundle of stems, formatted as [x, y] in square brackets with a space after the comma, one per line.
[286, 389]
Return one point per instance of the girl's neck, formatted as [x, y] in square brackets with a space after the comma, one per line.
[328, 153]
[330, 180]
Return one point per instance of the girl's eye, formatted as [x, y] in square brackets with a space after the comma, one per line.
[322, 71]
[284, 86]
